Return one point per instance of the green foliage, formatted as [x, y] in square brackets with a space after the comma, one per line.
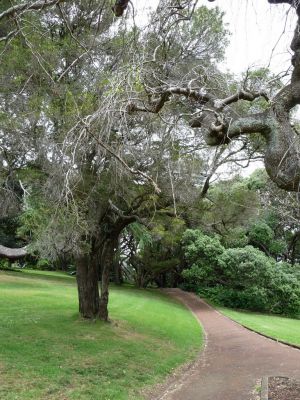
[201, 249]
[141, 235]
[53, 232]
[253, 298]
[261, 233]
[246, 267]
[157, 252]
[240, 277]
[44, 264]
[232, 204]
[285, 293]
[202, 253]
[8, 232]
[5, 264]
[236, 237]
[257, 180]
[208, 26]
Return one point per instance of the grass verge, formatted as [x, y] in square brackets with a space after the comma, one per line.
[48, 352]
[280, 328]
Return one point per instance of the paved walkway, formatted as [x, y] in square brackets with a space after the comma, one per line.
[233, 359]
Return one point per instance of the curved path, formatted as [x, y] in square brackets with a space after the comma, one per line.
[233, 360]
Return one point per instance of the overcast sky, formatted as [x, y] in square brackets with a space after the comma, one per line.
[261, 33]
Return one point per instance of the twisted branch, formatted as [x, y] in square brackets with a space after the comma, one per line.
[36, 5]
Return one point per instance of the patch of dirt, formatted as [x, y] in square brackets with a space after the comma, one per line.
[281, 388]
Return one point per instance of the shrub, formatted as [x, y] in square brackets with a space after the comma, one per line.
[254, 298]
[44, 265]
[245, 267]
[239, 277]
[202, 252]
[284, 294]
[5, 264]
[201, 248]
[261, 233]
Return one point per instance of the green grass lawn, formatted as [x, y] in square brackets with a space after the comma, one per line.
[48, 352]
[281, 328]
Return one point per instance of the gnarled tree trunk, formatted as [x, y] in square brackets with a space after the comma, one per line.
[87, 272]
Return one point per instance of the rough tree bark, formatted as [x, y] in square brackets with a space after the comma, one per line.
[110, 246]
[87, 273]
[100, 263]
[107, 262]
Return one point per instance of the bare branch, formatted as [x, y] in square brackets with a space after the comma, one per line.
[36, 5]
[243, 95]
[9, 35]
[12, 254]
[120, 159]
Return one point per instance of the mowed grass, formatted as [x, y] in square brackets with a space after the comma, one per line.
[48, 352]
[281, 328]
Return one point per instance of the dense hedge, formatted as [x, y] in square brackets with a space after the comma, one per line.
[239, 277]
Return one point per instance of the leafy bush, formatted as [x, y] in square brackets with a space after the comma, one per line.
[261, 233]
[5, 264]
[44, 264]
[284, 293]
[245, 267]
[202, 253]
[253, 298]
[239, 277]
[201, 248]
[236, 238]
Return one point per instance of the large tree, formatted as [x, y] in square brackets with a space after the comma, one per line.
[110, 115]
[214, 114]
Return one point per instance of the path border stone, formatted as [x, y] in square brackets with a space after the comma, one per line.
[264, 393]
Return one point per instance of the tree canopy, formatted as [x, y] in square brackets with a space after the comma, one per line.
[105, 124]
